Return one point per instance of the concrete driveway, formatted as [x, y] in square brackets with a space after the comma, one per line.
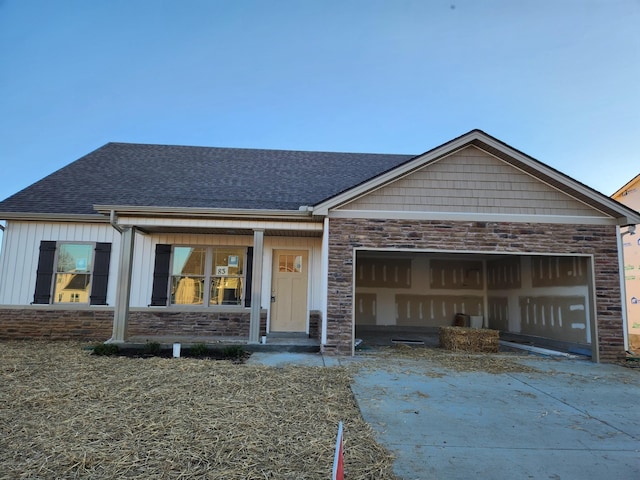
[568, 419]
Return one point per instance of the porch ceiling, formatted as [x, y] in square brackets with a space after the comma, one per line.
[226, 231]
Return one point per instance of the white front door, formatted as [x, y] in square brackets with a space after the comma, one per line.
[289, 291]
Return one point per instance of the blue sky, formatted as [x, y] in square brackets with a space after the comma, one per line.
[556, 79]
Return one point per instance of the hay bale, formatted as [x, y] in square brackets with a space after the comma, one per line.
[461, 339]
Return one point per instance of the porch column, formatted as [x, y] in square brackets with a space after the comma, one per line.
[123, 291]
[325, 280]
[256, 286]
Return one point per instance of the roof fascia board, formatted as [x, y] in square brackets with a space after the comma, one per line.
[53, 217]
[128, 210]
[474, 217]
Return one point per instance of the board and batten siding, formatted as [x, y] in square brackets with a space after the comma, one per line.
[471, 181]
[19, 259]
[21, 250]
[144, 257]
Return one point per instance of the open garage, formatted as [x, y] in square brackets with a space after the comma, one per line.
[542, 300]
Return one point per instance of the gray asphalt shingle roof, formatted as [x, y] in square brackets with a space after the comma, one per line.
[183, 176]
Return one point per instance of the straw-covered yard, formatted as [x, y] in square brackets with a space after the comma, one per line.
[65, 413]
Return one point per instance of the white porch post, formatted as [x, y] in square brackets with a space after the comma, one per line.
[256, 286]
[123, 292]
[325, 279]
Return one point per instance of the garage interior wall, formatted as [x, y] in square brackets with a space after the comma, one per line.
[534, 295]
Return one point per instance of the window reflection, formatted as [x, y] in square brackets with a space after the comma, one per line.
[73, 273]
[290, 263]
[208, 275]
[226, 291]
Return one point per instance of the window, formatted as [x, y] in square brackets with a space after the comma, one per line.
[73, 272]
[70, 272]
[290, 263]
[208, 275]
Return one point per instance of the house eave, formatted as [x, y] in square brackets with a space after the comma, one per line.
[53, 217]
[303, 213]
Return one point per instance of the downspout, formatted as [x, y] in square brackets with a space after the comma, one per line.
[631, 230]
[114, 221]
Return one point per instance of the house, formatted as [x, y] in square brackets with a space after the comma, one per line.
[134, 240]
[629, 195]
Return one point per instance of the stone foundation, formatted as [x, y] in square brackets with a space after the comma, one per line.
[315, 321]
[56, 324]
[185, 323]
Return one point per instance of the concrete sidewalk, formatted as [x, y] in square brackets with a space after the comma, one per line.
[571, 419]
[282, 359]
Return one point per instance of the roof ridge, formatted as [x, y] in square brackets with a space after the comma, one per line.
[206, 147]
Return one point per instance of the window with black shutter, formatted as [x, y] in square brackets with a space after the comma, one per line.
[44, 273]
[159, 295]
[102, 257]
[70, 272]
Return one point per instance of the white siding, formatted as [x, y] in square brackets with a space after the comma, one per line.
[19, 256]
[471, 181]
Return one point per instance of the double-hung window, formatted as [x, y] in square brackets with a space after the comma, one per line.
[72, 272]
[208, 275]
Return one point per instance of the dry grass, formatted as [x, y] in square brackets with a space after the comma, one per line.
[67, 414]
[440, 361]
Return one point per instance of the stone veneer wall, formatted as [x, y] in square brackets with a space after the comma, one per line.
[97, 324]
[315, 319]
[56, 323]
[600, 241]
[185, 323]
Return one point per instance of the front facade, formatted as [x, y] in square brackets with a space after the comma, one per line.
[325, 246]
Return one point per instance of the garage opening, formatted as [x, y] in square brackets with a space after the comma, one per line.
[538, 300]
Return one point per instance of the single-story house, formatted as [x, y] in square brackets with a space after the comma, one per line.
[134, 240]
[629, 195]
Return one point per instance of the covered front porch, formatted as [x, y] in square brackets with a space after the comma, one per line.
[153, 305]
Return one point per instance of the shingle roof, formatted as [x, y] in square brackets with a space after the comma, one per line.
[182, 176]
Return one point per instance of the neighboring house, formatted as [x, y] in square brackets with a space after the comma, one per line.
[133, 241]
[629, 195]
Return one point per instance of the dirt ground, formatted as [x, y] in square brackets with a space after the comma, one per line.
[65, 413]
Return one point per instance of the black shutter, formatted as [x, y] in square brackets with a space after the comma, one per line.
[248, 278]
[100, 276]
[161, 275]
[44, 274]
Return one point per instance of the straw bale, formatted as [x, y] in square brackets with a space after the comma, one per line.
[67, 414]
[462, 339]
